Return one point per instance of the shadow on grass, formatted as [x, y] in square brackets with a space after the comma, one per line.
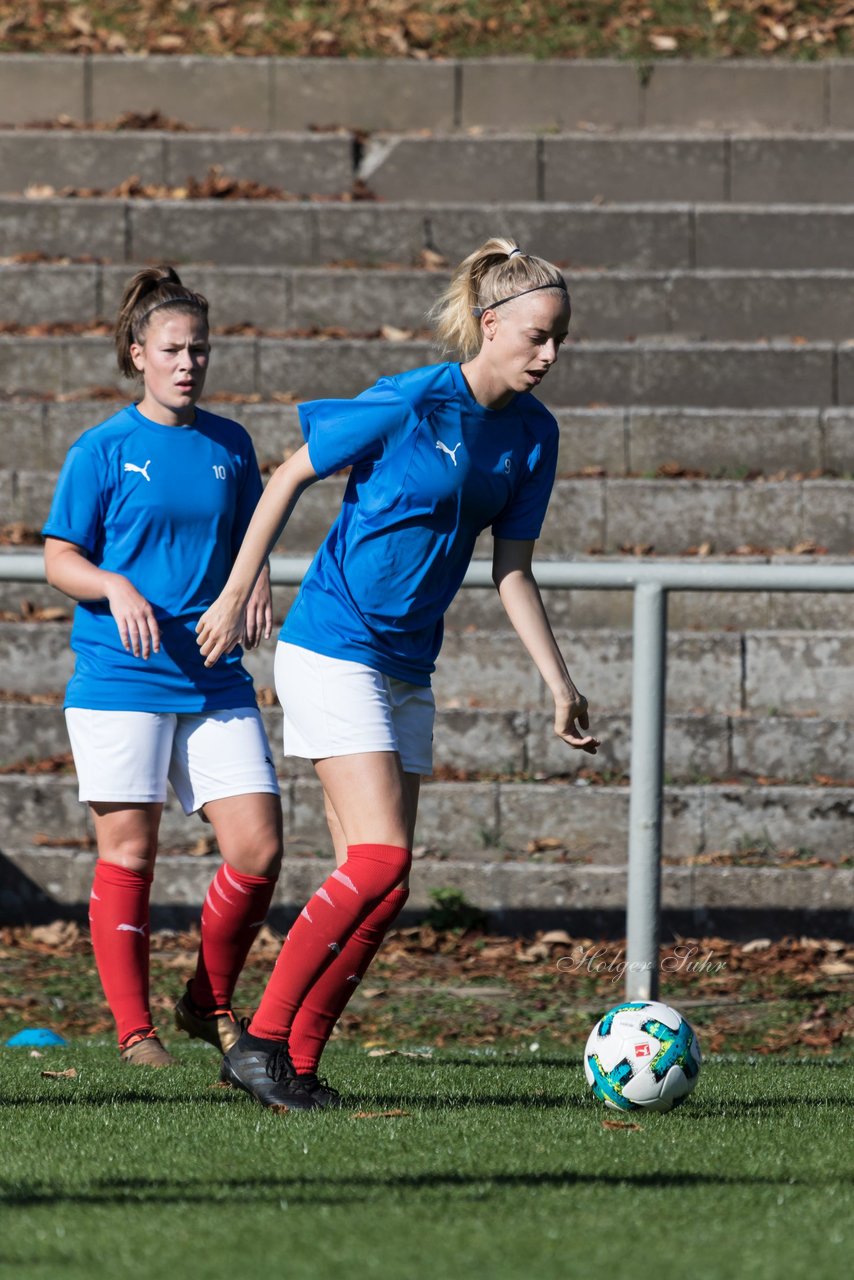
[699, 1106]
[215, 1096]
[734, 1107]
[220, 1097]
[705, 1109]
[572, 1062]
[465, 1101]
[334, 1190]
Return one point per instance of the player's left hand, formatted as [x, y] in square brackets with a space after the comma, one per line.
[571, 723]
[258, 624]
[219, 630]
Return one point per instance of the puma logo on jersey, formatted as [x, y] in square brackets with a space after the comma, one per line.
[132, 928]
[143, 471]
[452, 453]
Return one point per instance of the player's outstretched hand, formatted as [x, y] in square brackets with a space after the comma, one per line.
[138, 629]
[219, 630]
[258, 625]
[571, 724]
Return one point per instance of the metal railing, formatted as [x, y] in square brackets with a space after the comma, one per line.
[651, 582]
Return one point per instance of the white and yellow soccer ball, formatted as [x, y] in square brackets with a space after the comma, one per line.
[642, 1056]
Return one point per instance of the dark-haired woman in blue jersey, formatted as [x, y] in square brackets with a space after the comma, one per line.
[437, 455]
[149, 512]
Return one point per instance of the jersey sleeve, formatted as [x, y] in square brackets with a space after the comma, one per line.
[523, 517]
[77, 511]
[345, 433]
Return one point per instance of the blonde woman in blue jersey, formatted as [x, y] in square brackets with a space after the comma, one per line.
[149, 512]
[437, 455]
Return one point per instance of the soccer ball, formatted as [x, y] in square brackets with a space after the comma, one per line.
[642, 1056]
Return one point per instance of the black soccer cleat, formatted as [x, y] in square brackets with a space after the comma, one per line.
[263, 1068]
[321, 1090]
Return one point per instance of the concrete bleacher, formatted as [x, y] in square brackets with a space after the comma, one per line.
[704, 216]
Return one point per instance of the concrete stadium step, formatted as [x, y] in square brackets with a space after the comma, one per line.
[643, 237]
[298, 163]
[481, 741]
[630, 167]
[577, 167]
[729, 672]
[364, 93]
[670, 373]
[631, 440]
[488, 821]
[577, 612]
[669, 516]
[38, 885]
[717, 305]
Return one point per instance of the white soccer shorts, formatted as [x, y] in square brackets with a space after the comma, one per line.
[129, 755]
[332, 707]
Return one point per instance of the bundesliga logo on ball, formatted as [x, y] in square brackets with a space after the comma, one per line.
[642, 1056]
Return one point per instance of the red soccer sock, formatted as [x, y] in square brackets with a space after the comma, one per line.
[235, 908]
[322, 928]
[328, 998]
[118, 920]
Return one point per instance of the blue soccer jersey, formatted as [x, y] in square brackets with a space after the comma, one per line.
[431, 469]
[166, 507]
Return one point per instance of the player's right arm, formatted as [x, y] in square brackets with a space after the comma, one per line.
[220, 627]
[71, 572]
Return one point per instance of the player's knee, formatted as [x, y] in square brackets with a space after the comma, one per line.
[259, 857]
[133, 855]
[389, 864]
[269, 862]
[399, 864]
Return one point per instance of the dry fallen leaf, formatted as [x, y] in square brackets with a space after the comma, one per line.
[59, 933]
[398, 1053]
[267, 939]
[42, 840]
[52, 613]
[541, 843]
[378, 1115]
[530, 955]
[430, 260]
[70, 1074]
[18, 534]
[619, 1124]
[204, 846]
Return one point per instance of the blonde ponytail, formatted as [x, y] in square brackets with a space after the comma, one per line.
[150, 289]
[495, 273]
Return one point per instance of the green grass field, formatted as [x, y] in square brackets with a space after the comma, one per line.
[639, 29]
[497, 1163]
